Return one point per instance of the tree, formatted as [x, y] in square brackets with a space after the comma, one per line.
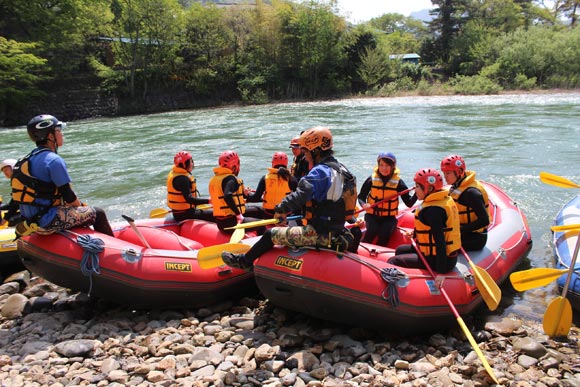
[19, 74]
[146, 39]
[449, 16]
[374, 67]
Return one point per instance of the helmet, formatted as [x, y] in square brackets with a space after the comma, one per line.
[295, 143]
[279, 158]
[229, 159]
[317, 137]
[429, 176]
[387, 156]
[40, 126]
[453, 163]
[7, 163]
[181, 158]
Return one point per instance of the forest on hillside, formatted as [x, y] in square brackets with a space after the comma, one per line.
[281, 49]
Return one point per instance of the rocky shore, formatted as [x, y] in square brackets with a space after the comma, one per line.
[50, 337]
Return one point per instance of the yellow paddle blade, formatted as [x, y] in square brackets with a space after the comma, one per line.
[210, 257]
[566, 227]
[477, 349]
[257, 223]
[237, 235]
[161, 212]
[558, 317]
[557, 181]
[490, 292]
[534, 278]
[158, 213]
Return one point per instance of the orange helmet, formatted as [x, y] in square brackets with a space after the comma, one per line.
[279, 159]
[317, 137]
[453, 163]
[429, 176]
[181, 158]
[295, 143]
[229, 159]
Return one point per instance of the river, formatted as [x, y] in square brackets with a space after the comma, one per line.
[121, 164]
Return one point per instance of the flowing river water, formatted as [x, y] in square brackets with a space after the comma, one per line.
[121, 164]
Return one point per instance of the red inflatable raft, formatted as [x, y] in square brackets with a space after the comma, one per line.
[363, 290]
[124, 270]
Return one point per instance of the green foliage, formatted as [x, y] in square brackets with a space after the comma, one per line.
[477, 84]
[19, 74]
[374, 67]
[281, 49]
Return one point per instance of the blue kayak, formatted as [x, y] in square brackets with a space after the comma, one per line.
[564, 244]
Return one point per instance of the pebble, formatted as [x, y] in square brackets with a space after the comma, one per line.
[49, 337]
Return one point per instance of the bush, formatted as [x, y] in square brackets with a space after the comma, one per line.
[524, 83]
[477, 84]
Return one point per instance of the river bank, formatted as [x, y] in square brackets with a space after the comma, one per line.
[49, 337]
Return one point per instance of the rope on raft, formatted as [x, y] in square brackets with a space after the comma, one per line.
[391, 275]
[90, 261]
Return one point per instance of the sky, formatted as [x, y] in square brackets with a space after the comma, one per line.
[363, 10]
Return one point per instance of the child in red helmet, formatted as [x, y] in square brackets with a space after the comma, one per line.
[436, 231]
[182, 194]
[274, 186]
[471, 200]
[228, 195]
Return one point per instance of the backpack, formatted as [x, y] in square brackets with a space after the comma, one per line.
[348, 191]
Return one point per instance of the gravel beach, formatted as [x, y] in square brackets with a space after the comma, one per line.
[51, 337]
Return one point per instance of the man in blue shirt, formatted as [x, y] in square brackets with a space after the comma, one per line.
[42, 186]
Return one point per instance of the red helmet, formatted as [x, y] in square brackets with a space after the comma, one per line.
[279, 159]
[229, 159]
[295, 143]
[429, 176]
[453, 163]
[181, 158]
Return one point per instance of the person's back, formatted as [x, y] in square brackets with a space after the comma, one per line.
[228, 195]
[182, 193]
[274, 186]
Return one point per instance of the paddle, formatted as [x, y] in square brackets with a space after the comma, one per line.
[263, 222]
[458, 317]
[239, 232]
[384, 200]
[210, 257]
[566, 227]
[556, 180]
[134, 227]
[534, 278]
[490, 292]
[161, 212]
[558, 316]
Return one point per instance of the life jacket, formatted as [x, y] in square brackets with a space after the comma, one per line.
[27, 189]
[452, 233]
[381, 190]
[220, 207]
[175, 199]
[467, 214]
[340, 203]
[276, 189]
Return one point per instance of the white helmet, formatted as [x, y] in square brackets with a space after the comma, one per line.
[7, 163]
